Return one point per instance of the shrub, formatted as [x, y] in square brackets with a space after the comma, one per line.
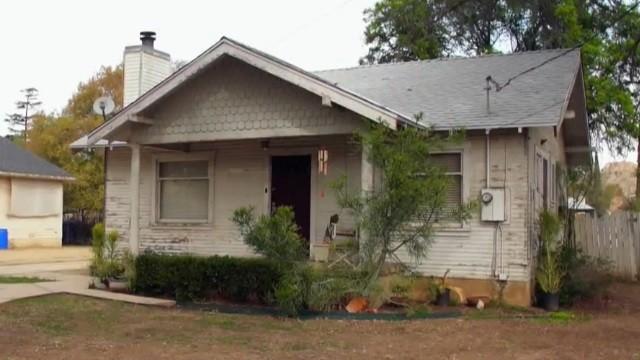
[186, 277]
[586, 277]
[97, 247]
[275, 236]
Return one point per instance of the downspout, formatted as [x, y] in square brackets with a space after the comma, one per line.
[488, 159]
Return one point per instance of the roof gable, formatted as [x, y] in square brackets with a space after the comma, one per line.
[15, 161]
[330, 93]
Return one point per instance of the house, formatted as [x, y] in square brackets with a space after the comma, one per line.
[30, 198]
[237, 127]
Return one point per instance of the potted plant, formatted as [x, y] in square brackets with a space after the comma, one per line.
[442, 292]
[108, 267]
[549, 274]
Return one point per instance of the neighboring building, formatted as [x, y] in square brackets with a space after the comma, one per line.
[237, 127]
[30, 198]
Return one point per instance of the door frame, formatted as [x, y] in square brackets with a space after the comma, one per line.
[313, 153]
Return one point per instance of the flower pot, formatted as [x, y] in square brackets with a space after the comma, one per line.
[118, 285]
[550, 302]
[443, 297]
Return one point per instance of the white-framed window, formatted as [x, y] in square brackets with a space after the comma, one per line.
[546, 170]
[183, 189]
[451, 163]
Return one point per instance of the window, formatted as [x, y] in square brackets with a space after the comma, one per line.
[183, 191]
[452, 165]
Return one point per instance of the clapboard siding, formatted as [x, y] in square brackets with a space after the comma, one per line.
[469, 252]
[240, 178]
[241, 173]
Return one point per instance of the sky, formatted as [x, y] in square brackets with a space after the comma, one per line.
[54, 45]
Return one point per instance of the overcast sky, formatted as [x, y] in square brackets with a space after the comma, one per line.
[53, 45]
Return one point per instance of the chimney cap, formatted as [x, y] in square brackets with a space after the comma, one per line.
[148, 38]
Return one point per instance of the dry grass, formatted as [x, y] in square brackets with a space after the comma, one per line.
[71, 327]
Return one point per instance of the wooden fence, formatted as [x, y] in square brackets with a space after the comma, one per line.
[615, 237]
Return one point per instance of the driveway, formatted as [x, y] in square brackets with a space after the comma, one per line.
[67, 271]
[30, 261]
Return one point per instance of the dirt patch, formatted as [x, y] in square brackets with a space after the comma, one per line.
[79, 328]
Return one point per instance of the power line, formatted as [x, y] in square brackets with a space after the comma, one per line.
[500, 87]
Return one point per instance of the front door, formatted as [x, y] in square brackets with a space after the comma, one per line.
[291, 186]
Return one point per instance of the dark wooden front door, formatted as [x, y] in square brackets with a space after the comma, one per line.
[291, 186]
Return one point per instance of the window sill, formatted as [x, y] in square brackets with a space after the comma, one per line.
[444, 231]
[181, 225]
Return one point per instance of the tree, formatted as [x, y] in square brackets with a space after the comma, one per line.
[476, 25]
[605, 30]
[402, 213]
[51, 135]
[402, 30]
[19, 123]
[624, 50]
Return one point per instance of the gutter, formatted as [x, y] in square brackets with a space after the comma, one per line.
[36, 176]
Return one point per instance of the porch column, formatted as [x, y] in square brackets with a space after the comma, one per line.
[134, 209]
[366, 182]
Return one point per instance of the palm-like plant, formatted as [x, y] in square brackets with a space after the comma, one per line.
[549, 273]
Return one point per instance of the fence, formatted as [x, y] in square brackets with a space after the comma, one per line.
[77, 225]
[615, 237]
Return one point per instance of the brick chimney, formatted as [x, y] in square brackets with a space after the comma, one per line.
[144, 67]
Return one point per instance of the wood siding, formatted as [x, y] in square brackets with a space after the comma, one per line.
[241, 175]
[240, 178]
[469, 251]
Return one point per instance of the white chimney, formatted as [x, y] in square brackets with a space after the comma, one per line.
[144, 67]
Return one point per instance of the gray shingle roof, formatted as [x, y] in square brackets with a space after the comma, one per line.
[450, 92]
[15, 160]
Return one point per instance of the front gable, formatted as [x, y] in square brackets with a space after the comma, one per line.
[234, 100]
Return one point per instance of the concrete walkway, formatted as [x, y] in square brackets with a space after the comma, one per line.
[67, 267]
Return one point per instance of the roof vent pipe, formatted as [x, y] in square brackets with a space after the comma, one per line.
[147, 38]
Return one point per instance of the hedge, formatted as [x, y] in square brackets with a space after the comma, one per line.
[186, 277]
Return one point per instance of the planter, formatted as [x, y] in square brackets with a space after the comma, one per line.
[118, 285]
[443, 298]
[96, 283]
[550, 302]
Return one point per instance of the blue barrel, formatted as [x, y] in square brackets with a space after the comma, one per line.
[4, 239]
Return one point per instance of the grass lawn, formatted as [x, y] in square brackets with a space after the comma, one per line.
[70, 327]
[4, 279]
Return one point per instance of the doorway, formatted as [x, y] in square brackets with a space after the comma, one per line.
[291, 186]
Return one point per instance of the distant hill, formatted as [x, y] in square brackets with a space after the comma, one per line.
[623, 174]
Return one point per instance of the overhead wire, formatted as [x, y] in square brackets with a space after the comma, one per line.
[508, 82]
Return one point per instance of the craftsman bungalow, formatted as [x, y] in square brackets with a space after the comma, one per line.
[237, 127]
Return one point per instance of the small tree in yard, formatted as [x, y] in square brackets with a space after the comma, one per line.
[402, 212]
[274, 236]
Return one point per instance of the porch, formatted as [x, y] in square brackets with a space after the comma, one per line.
[179, 198]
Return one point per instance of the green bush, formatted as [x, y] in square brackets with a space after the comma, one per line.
[188, 277]
[275, 236]
[586, 277]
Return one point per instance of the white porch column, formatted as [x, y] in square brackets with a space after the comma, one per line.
[366, 182]
[134, 209]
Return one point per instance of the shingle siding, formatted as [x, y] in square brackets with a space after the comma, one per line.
[233, 100]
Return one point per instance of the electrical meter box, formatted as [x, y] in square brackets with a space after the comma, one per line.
[492, 203]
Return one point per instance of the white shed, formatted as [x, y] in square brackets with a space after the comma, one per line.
[30, 198]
